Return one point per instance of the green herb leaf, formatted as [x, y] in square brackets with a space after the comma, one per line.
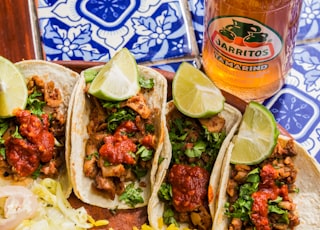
[16, 133]
[36, 173]
[275, 209]
[196, 150]
[3, 128]
[146, 83]
[242, 206]
[165, 192]
[145, 154]
[168, 217]
[34, 104]
[3, 152]
[139, 172]
[149, 128]
[110, 104]
[132, 196]
[106, 163]
[116, 118]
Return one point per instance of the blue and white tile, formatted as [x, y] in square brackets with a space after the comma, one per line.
[95, 30]
[297, 105]
[197, 14]
[309, 24]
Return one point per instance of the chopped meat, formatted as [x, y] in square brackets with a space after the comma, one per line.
[52, 95]
[277, 177]
[232, 188]
[34, 83]
[201, 219]
[236, 224]
[130, 176]
[50, 169]
[149, 140]
[214, 124]
[112, 170]
[90, 168]
[139, 104]
[97, 117]
[107, 185]
[91, 147]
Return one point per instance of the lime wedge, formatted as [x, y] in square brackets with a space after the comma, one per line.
[194, 94]
[257, 136]
[13, 88]
[118, 79]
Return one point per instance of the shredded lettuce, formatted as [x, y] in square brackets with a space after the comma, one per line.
[55, 212]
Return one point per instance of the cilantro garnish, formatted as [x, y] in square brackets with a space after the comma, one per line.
[123, 114]
[16, 133]
[132, 196]
[242, 206]
[34, 104]
[189, 139]
[196, 150]
[3, 128]
[146, 83]
[145, 154]
[168, 217]
[36, 173]
[165, 192]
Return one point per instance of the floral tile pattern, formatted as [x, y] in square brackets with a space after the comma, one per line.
[94, 30]
[309, 24]
[297, 106]
[197, 11]
[158, 34]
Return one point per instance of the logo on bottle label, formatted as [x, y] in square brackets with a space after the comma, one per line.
[244, 40]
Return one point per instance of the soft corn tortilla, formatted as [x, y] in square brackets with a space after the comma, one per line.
[232, 117]
[307, 199]
[65, 80]
[82, 185]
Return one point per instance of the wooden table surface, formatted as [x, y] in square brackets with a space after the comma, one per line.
[18, 30]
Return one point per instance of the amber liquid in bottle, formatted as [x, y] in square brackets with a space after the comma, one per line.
[248, 45]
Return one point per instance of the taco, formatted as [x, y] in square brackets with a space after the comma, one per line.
[116, 145]
[34, 142]
[188, 174]
[282, 192]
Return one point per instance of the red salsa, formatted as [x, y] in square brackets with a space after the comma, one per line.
[117, 148]
[36, 146]
[189, 186]
[268, 190]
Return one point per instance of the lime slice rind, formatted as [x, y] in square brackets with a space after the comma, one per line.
[194, 94]
[13, 89]
[118, 79]
[257, 136]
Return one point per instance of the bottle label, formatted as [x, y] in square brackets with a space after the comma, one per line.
[243, 43]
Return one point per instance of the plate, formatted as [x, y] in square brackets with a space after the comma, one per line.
[135, 217]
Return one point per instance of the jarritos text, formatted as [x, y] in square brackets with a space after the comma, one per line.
[243, 43]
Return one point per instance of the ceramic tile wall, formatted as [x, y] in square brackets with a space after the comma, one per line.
[162, 33]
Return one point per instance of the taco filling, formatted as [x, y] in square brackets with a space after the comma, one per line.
[259, 195]
[120, 147]
[184, 191]
[32, 142]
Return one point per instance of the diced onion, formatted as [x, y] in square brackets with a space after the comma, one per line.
[55, 212]
[19, 204]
